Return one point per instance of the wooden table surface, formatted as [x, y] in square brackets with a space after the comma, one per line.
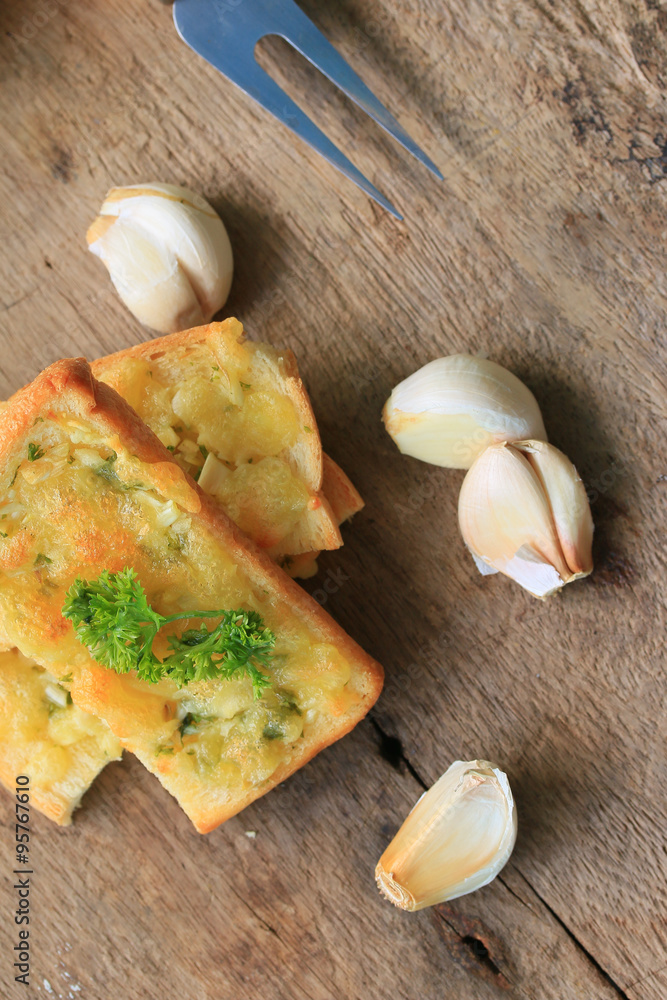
[544, 249]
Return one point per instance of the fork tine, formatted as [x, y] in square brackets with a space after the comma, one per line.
[259, 85]
[215, 43]
[300, 31]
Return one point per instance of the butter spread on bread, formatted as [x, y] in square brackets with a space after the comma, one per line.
[124, 374]
[236, 416]
[46, 737]
[86, 486]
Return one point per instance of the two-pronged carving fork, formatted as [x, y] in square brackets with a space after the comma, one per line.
[225, 33]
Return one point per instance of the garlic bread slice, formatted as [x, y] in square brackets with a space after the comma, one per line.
[236, 416]
[85, 486]
[339, 491]
[48, 739]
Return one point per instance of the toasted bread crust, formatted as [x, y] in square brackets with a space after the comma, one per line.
[307, 453]
[344, 499]
[68, 387]
[318, 526]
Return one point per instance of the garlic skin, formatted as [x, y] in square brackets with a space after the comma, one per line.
[167, 252]
[453, 408]
[455, 840]
[523, 511]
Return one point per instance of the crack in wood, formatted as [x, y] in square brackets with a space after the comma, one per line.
[481, 953]
[472, 945]
[573, 937]
[515, 894]
[391, 749]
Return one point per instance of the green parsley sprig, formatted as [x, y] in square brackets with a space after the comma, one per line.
[112, 617]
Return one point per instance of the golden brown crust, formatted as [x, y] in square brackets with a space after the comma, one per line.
[344, 499]
[317, 530]
[50, 805]
[69, 383]
[318, 526]
[68, 388]
[307, 452]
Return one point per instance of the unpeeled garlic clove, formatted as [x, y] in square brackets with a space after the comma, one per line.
[456, 839]
[568, 500]
[453, 408]
[523, 511]
[167, 252]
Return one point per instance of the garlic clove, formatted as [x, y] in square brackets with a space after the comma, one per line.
[187, 229]
[484, 568]
[148, 278]
[453, 408]
[172, 192]
[570, 509]
[506, 521]
[203, 249]
[523, 511]
[456, 839]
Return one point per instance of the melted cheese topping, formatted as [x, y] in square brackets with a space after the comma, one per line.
[74, 509]
[44, 736]
[219, 398]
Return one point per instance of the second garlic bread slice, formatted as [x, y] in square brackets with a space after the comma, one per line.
[236, 417]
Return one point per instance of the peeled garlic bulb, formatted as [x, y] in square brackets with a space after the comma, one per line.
[523, 511]
[167, 252]
[456, 839]
[450, 410]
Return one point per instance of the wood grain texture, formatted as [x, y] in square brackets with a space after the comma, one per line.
[543, 248]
